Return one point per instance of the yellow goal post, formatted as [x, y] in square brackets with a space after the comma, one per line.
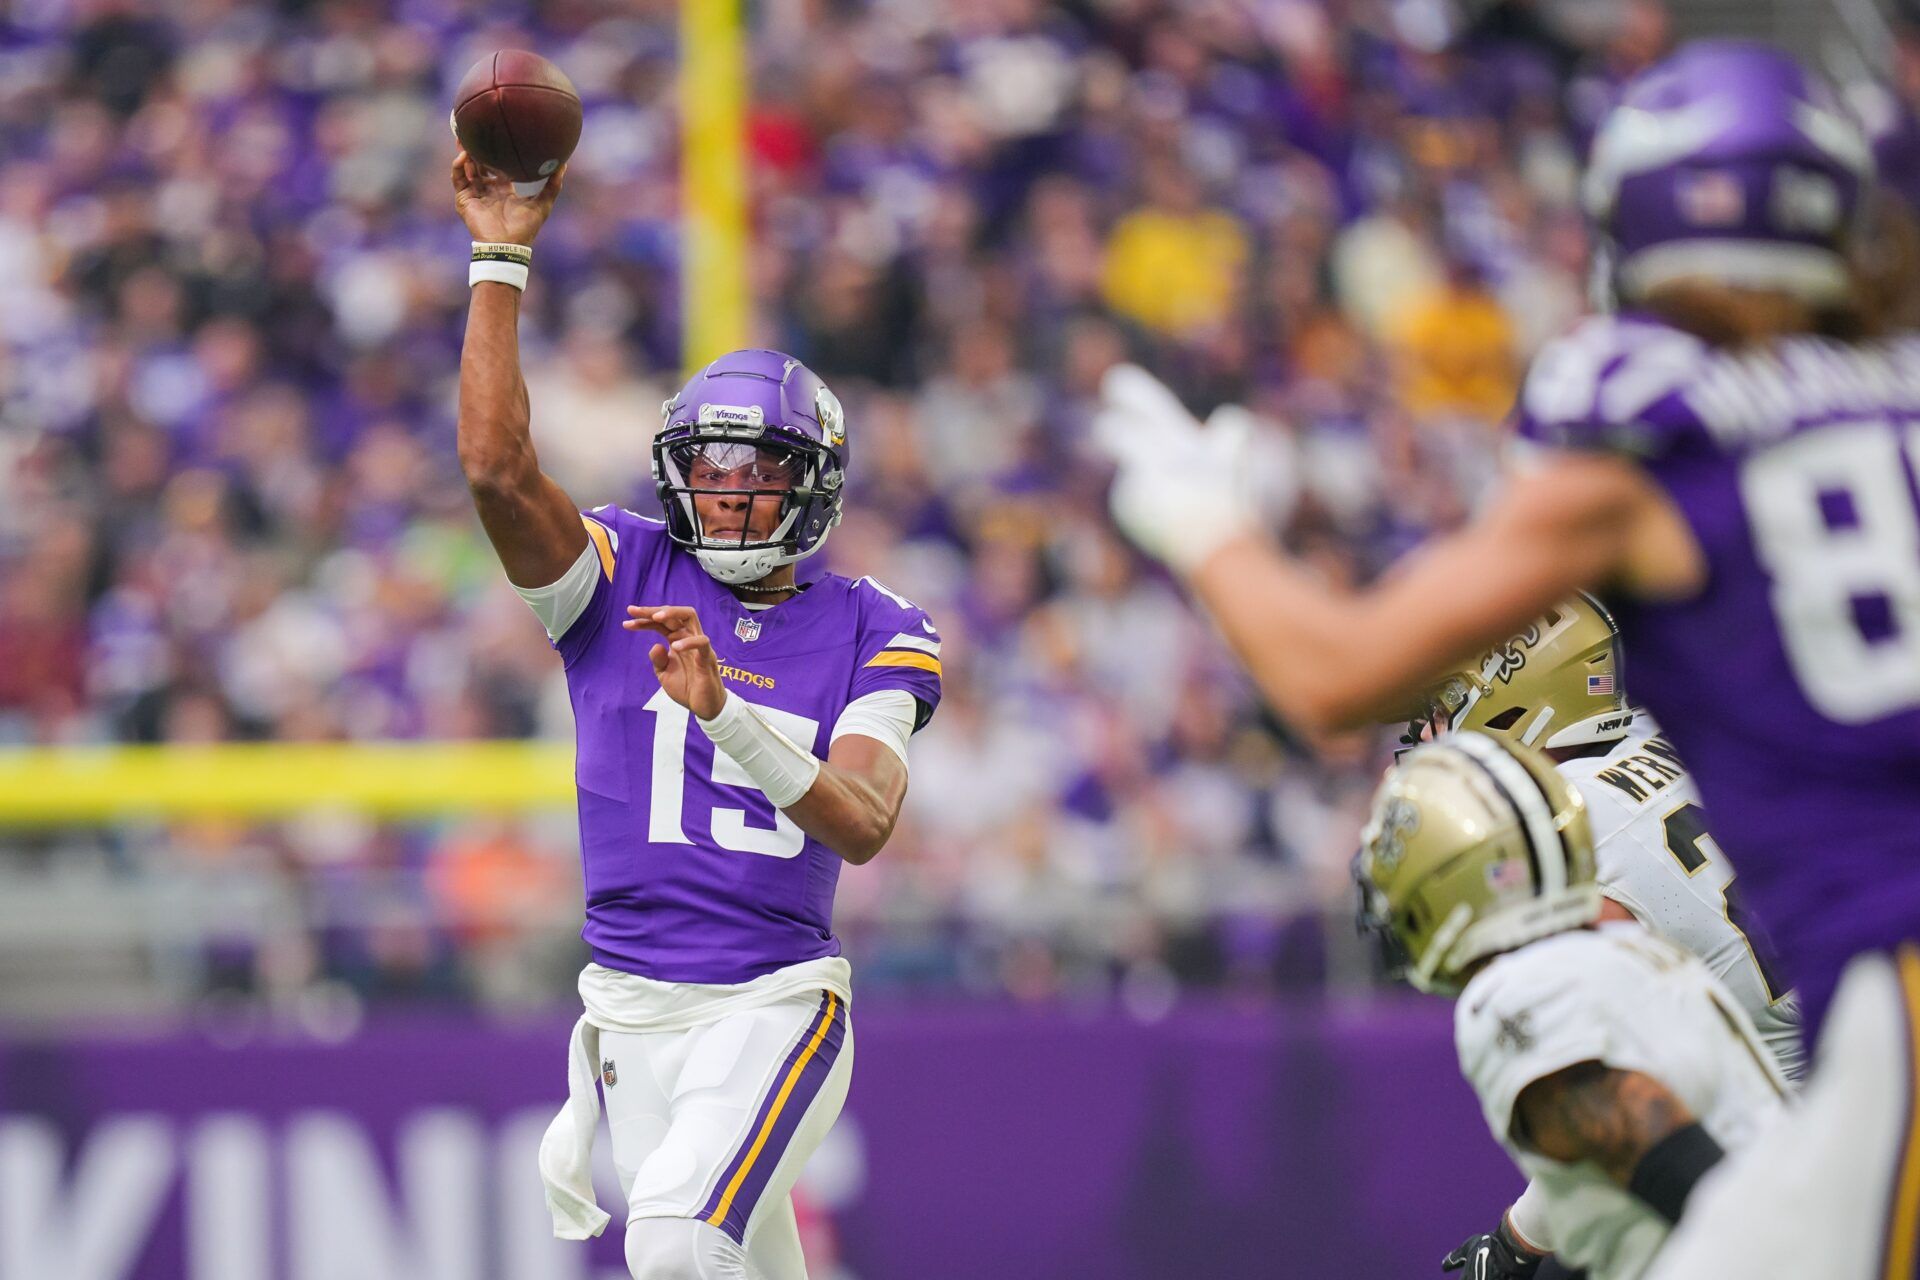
[392, 781]
[50, 786]
[715, 300]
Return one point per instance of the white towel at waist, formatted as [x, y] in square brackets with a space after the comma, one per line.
[626, 1002]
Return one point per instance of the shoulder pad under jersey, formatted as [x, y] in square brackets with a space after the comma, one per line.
[1614, 384]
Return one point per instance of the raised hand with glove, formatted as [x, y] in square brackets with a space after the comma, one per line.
[1498, 1255]
[1183, 488]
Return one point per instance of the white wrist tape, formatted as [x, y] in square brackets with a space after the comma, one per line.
[1528, 1219]
[502, 272]
[778, 767]
[505, 263]
[1203, 530]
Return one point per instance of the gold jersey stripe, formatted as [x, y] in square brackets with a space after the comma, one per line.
[1905, 1221]
[598, 532]
[905, 658]
[719, 1214]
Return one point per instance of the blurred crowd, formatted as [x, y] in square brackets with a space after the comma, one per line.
[231, 299]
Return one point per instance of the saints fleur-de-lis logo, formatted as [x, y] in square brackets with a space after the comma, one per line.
[1387, 841]
[1500, 664]
[1516, 1032]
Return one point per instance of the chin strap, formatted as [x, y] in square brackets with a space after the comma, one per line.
[1444, 940]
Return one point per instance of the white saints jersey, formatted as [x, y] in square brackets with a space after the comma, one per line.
[1620, 996]
[1657, 860]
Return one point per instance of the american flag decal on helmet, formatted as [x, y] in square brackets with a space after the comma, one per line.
[1508, 875]
[1600, 686]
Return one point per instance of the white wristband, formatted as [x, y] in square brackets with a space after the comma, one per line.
[512, 273]
[777, 766]
[1528, 1219]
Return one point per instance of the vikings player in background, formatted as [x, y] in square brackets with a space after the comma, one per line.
[1732, 457]
[740, 735]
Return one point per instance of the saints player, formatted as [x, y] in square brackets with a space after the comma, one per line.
[741, 733]
[1613, 1067]
[1733, 457]
[1558, 686]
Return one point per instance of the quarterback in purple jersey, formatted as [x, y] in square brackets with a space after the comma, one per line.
[1731, 458]
[740, 734]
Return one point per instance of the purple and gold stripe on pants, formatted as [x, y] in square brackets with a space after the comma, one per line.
[1900, 1253]
[795, 1086]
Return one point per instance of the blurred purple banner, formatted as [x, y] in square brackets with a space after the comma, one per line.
[1013, 1143]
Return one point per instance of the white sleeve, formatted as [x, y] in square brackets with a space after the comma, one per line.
[886, 714]
[1525, 1017]
[559, 604]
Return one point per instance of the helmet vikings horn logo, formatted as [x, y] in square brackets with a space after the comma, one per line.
[833, 419]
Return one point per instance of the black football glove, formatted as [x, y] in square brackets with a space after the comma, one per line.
[1497, 1256]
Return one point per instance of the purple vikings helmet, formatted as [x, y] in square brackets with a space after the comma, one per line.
[760, 427]
[1728, 161]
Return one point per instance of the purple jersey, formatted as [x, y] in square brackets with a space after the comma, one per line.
[691, 874]
[1791, 683]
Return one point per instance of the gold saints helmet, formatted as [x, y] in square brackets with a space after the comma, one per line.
[1476, 845]
[1556, 684]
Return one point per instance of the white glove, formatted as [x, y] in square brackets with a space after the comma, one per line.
[1182, 489]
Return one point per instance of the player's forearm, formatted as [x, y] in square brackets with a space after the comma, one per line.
[530, 521]
[849, 801]
[1329, 659]
[494, 427]
[1594, 1112]
[1305, 644]
[847, 813]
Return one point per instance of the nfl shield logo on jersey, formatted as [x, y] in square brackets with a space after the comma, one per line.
[747, 628]
[608, 1076]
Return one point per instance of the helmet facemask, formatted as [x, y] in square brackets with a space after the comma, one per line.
[1473, 848]
[746, 502]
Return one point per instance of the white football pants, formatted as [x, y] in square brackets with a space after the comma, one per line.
[711, 1126]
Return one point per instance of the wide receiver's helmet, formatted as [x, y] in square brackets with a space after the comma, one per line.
[1732, 163]
[1557, 684]
[768, 426]
[1475, 846]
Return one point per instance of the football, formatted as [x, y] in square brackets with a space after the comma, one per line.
[517, 113]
